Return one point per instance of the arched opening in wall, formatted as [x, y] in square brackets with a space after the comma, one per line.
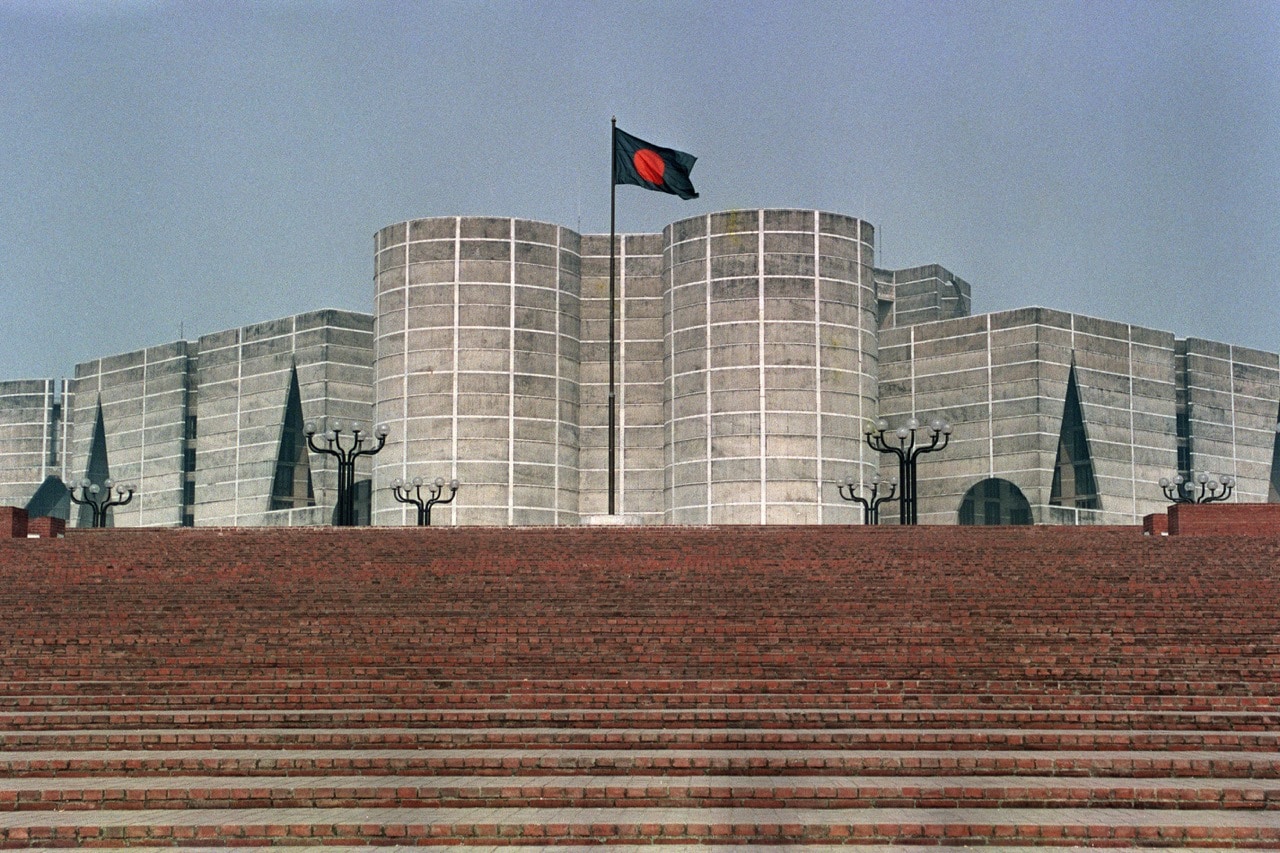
[291, 487]
[994, 501]
[1073, 481]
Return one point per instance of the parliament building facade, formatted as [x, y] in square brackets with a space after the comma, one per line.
[753, 347]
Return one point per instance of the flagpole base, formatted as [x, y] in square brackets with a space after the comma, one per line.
[623, 520]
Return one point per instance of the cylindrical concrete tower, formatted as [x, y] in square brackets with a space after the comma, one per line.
[476, 368]
[771, 366]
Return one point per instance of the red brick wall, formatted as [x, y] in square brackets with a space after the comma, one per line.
[1224, 518]
[46, 527]
[13, 522]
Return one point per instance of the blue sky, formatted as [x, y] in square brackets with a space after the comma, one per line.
[174, 169]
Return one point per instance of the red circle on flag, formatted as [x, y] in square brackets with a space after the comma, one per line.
[650, 165]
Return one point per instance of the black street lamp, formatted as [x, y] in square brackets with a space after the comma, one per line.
[1210, 490]
[401, 490]
[99, 498]
[346, 456]
[870, 506]
[908, 451]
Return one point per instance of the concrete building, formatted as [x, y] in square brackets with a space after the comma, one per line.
[211, 431]
[257, 388]
[752, 349]
[30, 442]
[746, 363]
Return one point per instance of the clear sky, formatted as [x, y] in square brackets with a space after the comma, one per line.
[171, 169]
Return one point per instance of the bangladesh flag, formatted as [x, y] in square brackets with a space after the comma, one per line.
[650, 166]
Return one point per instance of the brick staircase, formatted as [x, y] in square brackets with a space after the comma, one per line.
[814, 687]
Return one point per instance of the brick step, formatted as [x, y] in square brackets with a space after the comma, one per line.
[1054, 695]
[634, 791]
[511, 762]
[727, 718]
[604, 662]
[897, 644]
[547, 827]
[671, 737]
[843, 661]
[843, 666]
[636, 848]
[925, 678]
[640, 848]
[1048, 700]
[130, 686]
[595, 613]
[1146, 637]
[1205, 721]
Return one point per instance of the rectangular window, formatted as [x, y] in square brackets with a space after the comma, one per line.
[1184, 460]
[1084, 480]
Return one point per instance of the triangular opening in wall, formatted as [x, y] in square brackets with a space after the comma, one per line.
[1073, 481]
[1273, 491]
[99, 469]
[291, 487]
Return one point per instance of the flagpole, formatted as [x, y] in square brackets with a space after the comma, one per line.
[613, 213]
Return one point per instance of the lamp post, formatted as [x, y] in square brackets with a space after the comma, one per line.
[870, 506]
[346, 456]
[99, 498]
[1210, 490]
[401, 490]
[908, 450]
